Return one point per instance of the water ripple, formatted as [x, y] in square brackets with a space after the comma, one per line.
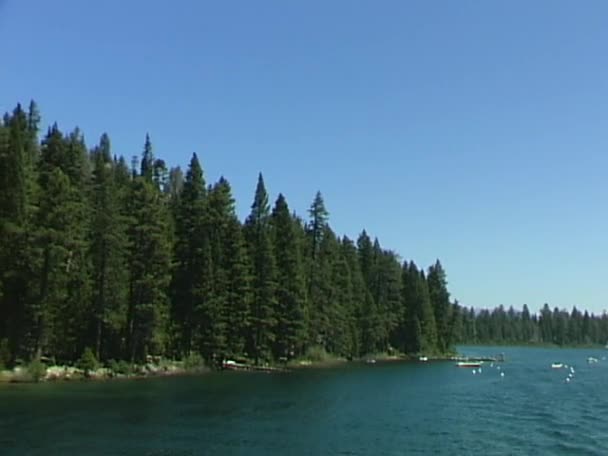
[394, 409]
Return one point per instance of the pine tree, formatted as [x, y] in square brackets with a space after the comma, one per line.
[546, 324]
[342, 336]
[191, 279]
[323, 305]
[410, 331]
[18, 151]
[58, 314]
[366, 258]
[318, 275]
[108, 255]
[229, 272]
[426, 316]
[357, 294]
[386, 294]
[527, 330]
[149, 268]
[147, 160]
[237, 276]
[70, 333]
[372, 330]
[257, 234]
[289, 313]
[318, 222]
[419, 311]
[440, 301]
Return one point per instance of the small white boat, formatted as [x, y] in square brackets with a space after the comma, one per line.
[557, 366]
[424, 359]
[592, 360]
[468, 364]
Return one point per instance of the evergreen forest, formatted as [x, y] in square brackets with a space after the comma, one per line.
[129, 259]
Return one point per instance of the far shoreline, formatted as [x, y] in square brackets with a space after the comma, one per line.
[70, 374]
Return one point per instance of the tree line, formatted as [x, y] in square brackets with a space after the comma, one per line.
[135, 259]
[556, 327]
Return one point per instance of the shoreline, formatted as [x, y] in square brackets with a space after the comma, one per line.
[66, 374]
[536, 345]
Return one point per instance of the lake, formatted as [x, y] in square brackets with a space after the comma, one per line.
[358, 409]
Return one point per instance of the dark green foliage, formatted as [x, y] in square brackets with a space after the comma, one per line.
[354, 295]
[120, 367]
[387, 295]
[318, 222]
[36, 370]
[108, 252]
[418, 312]
[194, 361]
[18, 156]
[409, 331]
[555, 326]
[238, 293]
[290, 327]
[88, 362]
[102, 261]
[147, 160]
[56, 314]
[5, 354]
[149, 269]
[323, 306]
[317, 354]
[440, 301]
[191, 258]
[257, 235]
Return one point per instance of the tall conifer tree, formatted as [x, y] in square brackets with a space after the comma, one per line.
[257, 233]
[290, 327]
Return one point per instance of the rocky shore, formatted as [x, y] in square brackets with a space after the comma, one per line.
[27, 374]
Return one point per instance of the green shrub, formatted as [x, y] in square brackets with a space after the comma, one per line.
[120, 367]
[88, 362]
[36, 370]
[124, 367]
[317, 354]
[194, 361]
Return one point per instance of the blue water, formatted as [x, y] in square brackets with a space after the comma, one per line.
[379, 409]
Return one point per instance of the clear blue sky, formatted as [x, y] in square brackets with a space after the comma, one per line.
[476, 132]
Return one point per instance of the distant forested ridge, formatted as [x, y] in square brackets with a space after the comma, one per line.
[557, 327]
[131, 260]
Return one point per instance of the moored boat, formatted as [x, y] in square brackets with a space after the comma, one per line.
[557, 366]
[469, 363]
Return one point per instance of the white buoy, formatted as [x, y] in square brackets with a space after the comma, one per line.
[474, 371]
[498, 367]
[502, 374]
[567, 379]
[572, 369]
[480, 370]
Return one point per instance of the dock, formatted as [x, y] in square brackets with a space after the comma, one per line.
[480, 359]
